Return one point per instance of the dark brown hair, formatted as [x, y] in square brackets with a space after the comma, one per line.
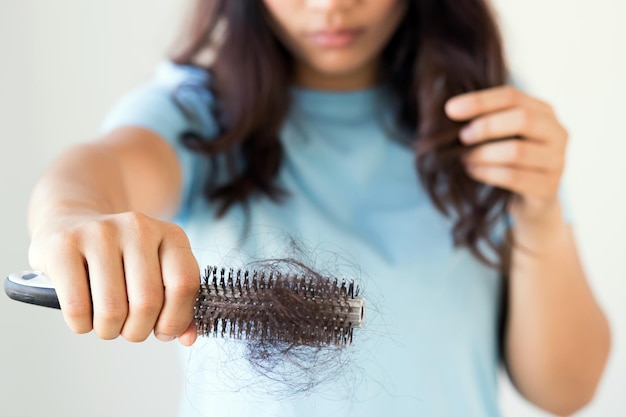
[441, 48]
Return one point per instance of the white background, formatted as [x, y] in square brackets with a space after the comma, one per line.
[64, 63]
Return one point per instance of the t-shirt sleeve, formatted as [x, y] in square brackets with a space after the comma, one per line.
[173, 101]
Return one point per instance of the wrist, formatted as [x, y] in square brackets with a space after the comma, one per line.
[537, 233]
[42, 215]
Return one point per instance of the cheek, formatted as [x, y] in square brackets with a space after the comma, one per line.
[387, 14]
[384, 19]
[282, 14]
[283, 17]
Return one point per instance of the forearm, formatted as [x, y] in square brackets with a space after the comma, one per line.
[558, 338]
[112, 264]
[130, 169]
[84, 179]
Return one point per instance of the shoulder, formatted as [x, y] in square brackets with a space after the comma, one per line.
[184, 82]
[169, 73]
[173, 99]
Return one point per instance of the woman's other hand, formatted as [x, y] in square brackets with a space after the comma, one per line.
[514, 142]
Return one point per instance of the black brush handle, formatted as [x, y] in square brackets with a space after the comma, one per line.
[32, 287]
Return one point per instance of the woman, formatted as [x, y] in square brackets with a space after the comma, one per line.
[379, 131]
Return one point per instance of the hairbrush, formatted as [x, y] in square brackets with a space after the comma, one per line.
[273, 307]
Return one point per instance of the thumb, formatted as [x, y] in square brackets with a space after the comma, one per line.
[189, 336]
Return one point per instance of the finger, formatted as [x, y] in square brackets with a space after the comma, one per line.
[516, 153]
[189, 336]
[527, 183]
[181, 278]
[67, 271]
[518, 121]
[470, 105]
[144, 289]
[108, 289]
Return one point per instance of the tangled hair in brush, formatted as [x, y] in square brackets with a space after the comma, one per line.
[302, 308]
[290, 324]
[302, 363]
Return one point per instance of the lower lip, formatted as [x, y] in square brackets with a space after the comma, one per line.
[334, 39]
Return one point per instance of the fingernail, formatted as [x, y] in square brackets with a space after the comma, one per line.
[467, 133]
[164, 337]
[454, 106]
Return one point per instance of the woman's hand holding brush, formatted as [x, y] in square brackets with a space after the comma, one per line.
[116, 271]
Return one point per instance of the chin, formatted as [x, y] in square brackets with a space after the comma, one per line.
[338, 67]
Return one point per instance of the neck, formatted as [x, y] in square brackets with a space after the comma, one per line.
[362, 78]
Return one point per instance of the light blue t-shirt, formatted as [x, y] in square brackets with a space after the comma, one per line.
[355, 205]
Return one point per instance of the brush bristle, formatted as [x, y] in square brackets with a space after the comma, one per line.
[277, 308]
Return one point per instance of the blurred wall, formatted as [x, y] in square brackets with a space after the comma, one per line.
[65, 62]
